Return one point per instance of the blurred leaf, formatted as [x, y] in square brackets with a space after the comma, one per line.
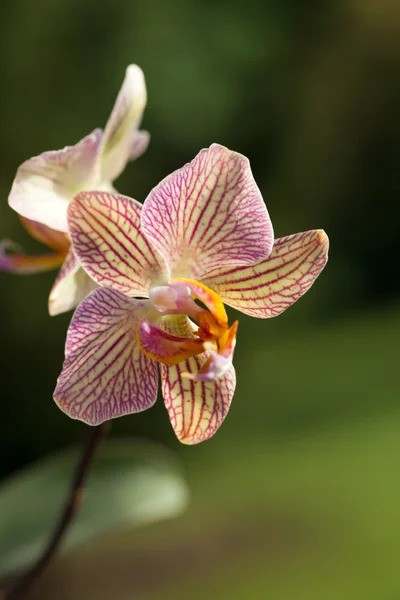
[131, 483]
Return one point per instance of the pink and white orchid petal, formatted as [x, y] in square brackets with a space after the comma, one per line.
[209, 214]
[58, 240]
[164, 347]
[22, 264]
[71, 286]
[139, 142]
[105, 374]
[45, 184]
[106, 236]
[269, 287]
[196, 408]
[116, 146]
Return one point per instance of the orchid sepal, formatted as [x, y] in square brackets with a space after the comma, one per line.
[44, 184]
[209, 213]
[71, 286]
[271, 286]
[121, 140]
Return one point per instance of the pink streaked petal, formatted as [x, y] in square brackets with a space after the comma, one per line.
[116, 146]
[164, 347]
[105, 374]
[58, 240]
[208, 215]
[71, 286]
[106, 236]
[196, 408]
[269, 287]
[45, 184]
[22, 264]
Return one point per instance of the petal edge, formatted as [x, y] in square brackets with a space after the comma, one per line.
[269, 287]
[196, 409]
[106, 237]
[105, 374]
[45, 184]
[208, 214]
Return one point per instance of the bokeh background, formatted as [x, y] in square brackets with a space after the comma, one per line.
[297, 497]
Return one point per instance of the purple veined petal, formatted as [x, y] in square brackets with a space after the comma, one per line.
[209, 214]
[269, 287]
[105, 374]
[45, 184]
[106, 236]
[71, 286]
[116, 146]
[196, 408]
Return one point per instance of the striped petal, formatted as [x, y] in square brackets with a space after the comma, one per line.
[72, 285]
[208, 215]
[269, 287]
[121, 141]
[44, 184]
[22, 264]
[106, 236]
[196, 408]
[105, 374]
[58, 240]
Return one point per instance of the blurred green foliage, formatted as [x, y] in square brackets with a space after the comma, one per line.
[140, 481]
[304, 469]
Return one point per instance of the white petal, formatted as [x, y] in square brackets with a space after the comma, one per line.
[118, 141]
[72, 285]
[45, 184]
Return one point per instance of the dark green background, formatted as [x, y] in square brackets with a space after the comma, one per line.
[309, 91]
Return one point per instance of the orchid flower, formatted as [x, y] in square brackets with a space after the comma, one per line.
[45, 184]
[202, 234]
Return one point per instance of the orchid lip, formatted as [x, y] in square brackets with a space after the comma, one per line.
[213, 335]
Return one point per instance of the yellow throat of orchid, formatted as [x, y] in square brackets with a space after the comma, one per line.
[213, 335]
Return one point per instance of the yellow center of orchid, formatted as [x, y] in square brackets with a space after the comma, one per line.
[213, 334]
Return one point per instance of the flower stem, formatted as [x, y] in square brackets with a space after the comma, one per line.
[71, 508]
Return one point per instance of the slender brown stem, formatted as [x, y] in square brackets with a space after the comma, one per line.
[71, 507]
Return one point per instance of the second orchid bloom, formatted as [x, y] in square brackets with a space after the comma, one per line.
[202, 234]
[45, 184]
